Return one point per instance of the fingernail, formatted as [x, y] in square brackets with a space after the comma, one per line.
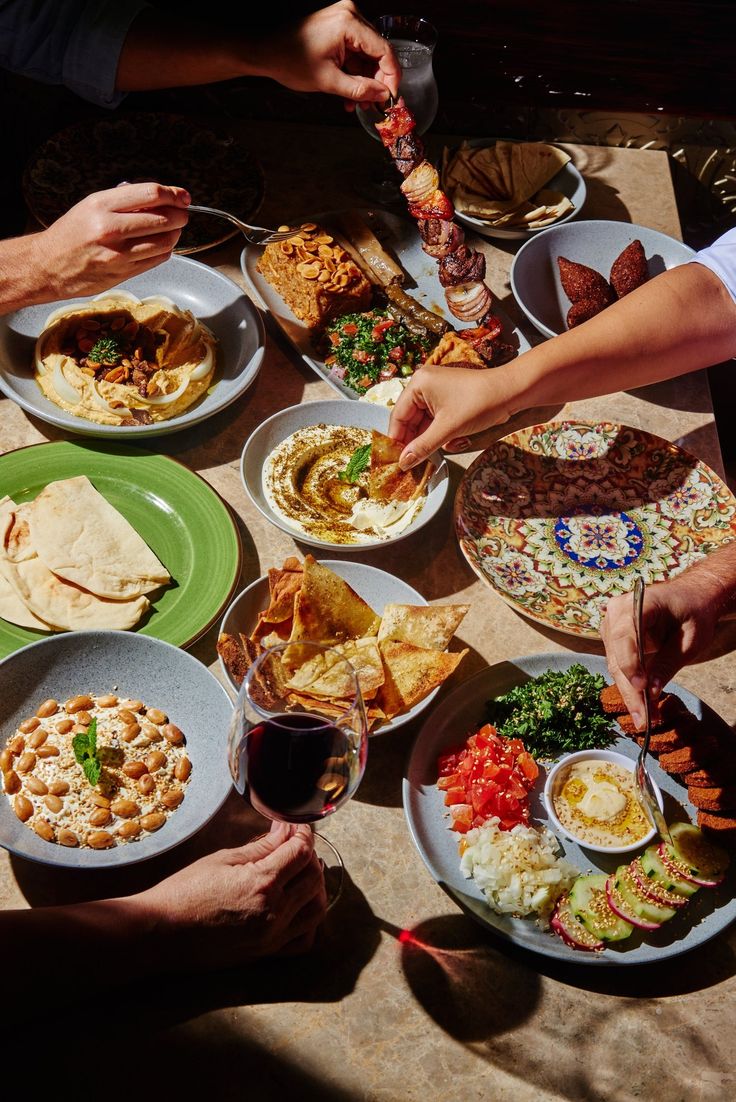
[656, 686]
[460, 444]
[122, 183]
[407, 460]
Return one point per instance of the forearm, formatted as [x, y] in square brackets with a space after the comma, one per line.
[25, 278]
[681, 321]
[158, 53]
[114, 930]
[715, 579]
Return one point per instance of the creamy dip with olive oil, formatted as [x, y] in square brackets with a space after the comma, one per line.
[596, 801]
[302, 484]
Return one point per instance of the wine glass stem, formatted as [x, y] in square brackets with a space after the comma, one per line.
[332, 867]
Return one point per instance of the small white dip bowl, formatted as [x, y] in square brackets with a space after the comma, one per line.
[555, 779]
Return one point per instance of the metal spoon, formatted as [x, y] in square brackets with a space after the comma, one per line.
[643, 782]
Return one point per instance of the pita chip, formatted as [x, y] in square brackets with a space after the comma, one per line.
[429, 626]
[387, 481]
[412, 673]
[327, 610]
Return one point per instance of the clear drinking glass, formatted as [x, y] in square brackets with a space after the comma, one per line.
[298, 760]
[413, 40]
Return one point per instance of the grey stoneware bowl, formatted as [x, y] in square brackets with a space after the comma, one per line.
[568, 181]
[135, 667]
[277, 428]
[213, 299]
[535, 277]
[375, 586]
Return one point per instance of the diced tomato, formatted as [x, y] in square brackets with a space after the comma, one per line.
[380, 328]
[364, 382]
[396, 355]
[455, 796]
[349, 329]
[489, 777]
[335, 339]
[362, 356]
[387, 372]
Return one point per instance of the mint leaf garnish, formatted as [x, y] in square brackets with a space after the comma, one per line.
[357, 463]
[85, 751]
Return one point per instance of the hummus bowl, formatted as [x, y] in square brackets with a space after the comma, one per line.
[589, 830]
[330, 430]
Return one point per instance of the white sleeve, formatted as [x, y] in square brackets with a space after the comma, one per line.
[720, 257]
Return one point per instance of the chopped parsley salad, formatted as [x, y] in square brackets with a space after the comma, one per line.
[364, 349]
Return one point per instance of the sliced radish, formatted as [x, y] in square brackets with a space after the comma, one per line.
[653, 891]
[622, 907]
[572, 932]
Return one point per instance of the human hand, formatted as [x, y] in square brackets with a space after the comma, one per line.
[110, 236]
[441, 405]
[678, 620]
[334, 50]
[239, 904]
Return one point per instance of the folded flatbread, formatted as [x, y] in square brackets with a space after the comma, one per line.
[82, 538]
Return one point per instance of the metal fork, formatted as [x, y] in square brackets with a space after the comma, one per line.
[256, 235]
[642, 779]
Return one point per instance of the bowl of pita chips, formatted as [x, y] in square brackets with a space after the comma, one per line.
[512, 189]
[327, 474]
[394, 640]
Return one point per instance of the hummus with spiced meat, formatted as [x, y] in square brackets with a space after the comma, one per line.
[118, 360]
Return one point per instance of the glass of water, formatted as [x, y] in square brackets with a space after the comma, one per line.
[413, 40]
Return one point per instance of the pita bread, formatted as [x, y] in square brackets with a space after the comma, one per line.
[387, 481]
[429, 626]
[412, 673]
[15, 611]
[327, 610]
[83, 539]
[67, 606]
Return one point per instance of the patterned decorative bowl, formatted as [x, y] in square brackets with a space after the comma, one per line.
[561, 517]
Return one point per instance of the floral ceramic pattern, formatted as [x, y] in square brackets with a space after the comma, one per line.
[560, 517]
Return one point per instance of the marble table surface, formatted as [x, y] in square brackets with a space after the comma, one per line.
[404, 997]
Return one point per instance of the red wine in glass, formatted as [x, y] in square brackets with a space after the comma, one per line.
[298, 767]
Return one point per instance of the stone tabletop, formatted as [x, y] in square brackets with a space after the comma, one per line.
[404, 997]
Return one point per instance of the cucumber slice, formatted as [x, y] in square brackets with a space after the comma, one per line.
[667, 878]
[589, 904]
[705, 863]
[624, 903]
[571, 930]
[652, 889]
[647, 909]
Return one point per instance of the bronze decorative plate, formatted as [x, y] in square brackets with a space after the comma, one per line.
[88, 156]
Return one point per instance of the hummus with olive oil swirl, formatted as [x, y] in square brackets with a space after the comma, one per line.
[302, 484]
[597, 803]
[119, 360]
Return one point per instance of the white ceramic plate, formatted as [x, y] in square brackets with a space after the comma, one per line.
[535, 276]
[376, 587]
[212, 298]
[462, 711]
[568, 181]
[135, 667]
[267, 436]
[398, 236]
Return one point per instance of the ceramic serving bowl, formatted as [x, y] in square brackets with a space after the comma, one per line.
[568, 181]
[555, 780]
[281, 425]
[133, 667]
[377, 587]
[535, 277]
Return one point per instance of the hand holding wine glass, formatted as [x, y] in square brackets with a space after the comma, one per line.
[298, 757]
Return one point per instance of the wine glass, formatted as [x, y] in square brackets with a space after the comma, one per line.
[297, 758]
[413, 40]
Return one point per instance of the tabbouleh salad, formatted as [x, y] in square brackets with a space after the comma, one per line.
[364, 349]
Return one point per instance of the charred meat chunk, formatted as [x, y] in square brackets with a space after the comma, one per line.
[440, 237]
[407, 152]
[464, 265]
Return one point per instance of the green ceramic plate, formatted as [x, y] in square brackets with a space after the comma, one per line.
[176, 512]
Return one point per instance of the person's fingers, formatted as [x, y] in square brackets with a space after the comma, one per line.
[143, 248]
[287, 860]
[365, 39]
[667, 660]
[260, 847]
[144, 223]
[130, 197]
[619, 639]
[305, 886]
[409, 416]
[354, 88]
